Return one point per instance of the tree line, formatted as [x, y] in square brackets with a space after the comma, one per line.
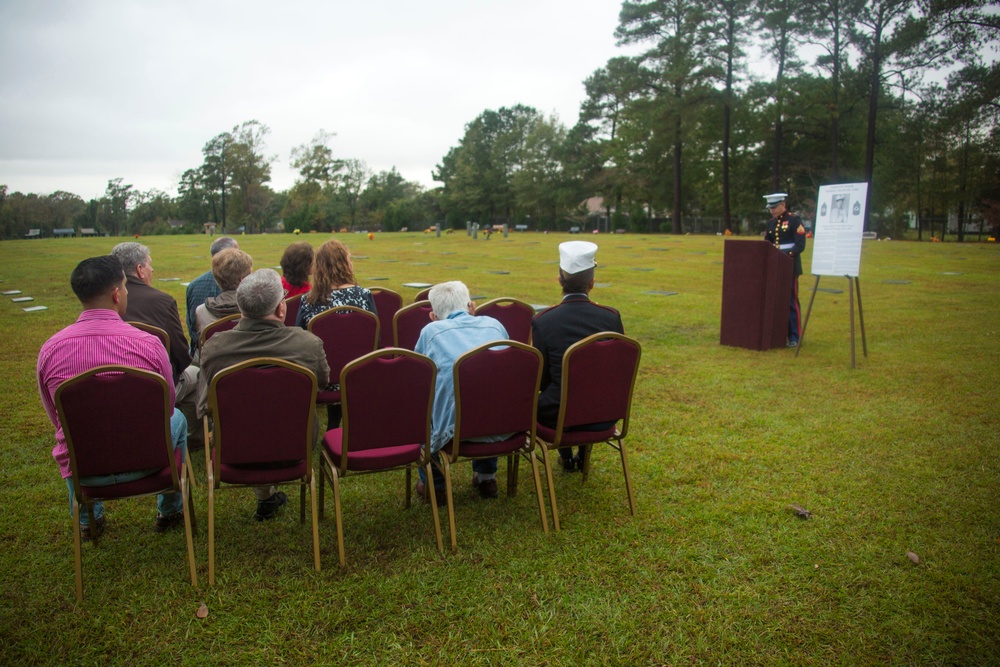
[904, 94]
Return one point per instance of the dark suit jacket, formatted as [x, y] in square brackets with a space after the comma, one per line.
[151, 306]
[553, 330]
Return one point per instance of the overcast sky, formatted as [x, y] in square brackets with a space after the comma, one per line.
[94, 90]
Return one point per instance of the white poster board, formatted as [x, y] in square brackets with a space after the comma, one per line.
[840, 221]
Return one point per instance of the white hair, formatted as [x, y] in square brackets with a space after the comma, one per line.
[259, 294]
[131, 255]
[448, 297]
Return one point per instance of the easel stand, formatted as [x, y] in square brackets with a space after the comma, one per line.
[853, 284]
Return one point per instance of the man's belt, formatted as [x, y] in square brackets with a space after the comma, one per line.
[786, 246]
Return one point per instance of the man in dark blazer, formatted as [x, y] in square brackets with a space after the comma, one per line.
[149, 305]
[557, 328]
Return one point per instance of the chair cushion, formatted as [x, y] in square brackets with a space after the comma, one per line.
[325, 397]
[571, 438]
[260, 475]
[380, 458]
[470, 449]
[158, 482]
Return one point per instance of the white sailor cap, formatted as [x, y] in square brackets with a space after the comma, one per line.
[576, 256]
[775, 199]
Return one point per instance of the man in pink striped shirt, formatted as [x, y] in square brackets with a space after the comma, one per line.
[99, 337]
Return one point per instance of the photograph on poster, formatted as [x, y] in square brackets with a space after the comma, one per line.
[840, 221]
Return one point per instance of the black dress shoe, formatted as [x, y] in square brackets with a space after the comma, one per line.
[268, 509]
[569, 464]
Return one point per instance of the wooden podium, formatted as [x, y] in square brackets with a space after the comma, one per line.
[756, 291]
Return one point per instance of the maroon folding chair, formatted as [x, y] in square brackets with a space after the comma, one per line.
[140, 441]
[598, 376]
[422, 295]
[515, 316]
[347, 333]
[156, 331]
[387, 302]
[222, 324]
[264, 413]
[292, 304]
[408, 322]
[496, 392]
[387, 397]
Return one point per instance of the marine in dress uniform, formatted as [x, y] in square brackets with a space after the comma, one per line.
[554, 329]
[786, 232]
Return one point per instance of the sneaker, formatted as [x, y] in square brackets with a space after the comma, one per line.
[268, 509]
[793, 343]
[86, 534]
[165, 522]
[439, 494]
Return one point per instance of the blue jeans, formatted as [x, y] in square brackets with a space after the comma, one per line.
[166, 503]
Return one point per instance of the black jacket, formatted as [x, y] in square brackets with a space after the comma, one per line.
[553, 330]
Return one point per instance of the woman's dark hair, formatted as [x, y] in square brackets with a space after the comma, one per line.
[296, 263]
[332, 269]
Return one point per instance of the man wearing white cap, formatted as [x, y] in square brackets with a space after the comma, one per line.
[786, 232]
[554, 329]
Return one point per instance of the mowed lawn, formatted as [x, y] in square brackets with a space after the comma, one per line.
[897, 455]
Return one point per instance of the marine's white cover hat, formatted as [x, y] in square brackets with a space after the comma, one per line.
[576, 256]
[776, 198]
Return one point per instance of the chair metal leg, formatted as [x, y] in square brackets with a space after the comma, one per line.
[335, 482]
[302, 503]
[538, 493]
[77, 556]
[546, 454]
[211, 530]
[189, 504]
[315, 520]
[446, 463]
[512, 464]
[322, 476]
[409, 485]
[434, 508]
[208, 445]
[188, 526]
[628, 478]
[587, 449]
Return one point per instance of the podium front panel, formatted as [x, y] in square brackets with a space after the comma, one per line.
[756, 288]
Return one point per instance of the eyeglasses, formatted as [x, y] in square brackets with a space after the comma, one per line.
[286, 293]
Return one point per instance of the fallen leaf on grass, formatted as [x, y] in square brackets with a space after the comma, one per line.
[913, 557]
[202, 611]
[801, 511]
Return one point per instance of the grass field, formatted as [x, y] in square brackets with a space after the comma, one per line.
[898, 455]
